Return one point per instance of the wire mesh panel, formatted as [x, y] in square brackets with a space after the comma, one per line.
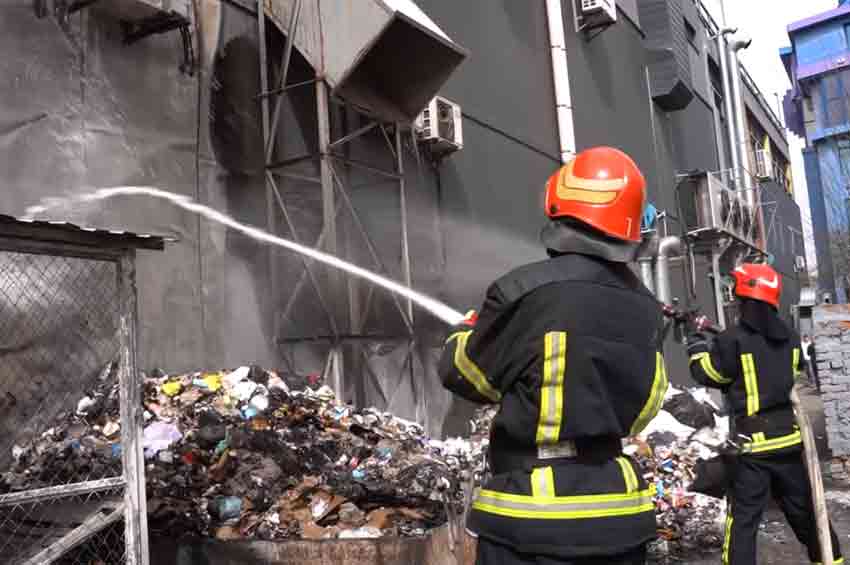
[62, 466]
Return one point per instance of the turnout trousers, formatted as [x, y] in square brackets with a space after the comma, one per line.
[757, 478]
[490, 553]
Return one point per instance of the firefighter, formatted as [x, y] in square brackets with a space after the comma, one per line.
[756, 363]
[570, 349]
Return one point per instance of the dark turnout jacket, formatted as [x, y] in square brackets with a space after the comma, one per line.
[755, 363]
[570, 349]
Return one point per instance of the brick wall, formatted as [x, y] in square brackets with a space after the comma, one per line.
[832, 344]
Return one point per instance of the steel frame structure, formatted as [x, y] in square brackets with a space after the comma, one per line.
[336, 196]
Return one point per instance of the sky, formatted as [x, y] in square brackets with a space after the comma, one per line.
[766, 21]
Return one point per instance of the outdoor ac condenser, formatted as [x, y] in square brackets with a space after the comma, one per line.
[440, 126]
[599, 11]
[710, 208]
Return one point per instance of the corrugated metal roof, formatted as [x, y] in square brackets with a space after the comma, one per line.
[842, 10]
[65, 232]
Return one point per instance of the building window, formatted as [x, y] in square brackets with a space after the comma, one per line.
[844, 157]
[691, 34]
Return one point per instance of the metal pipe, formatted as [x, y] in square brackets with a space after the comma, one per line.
[720, 312]
[561, 78]
[646, 273]
[740, 119]
[722, 55]
[666, 248]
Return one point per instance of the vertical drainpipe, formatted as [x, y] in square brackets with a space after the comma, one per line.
[723, 56]
[561, 78]
[740, 124]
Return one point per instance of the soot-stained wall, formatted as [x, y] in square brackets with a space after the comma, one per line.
[85, 110]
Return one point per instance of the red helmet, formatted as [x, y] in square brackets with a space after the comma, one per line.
[601, 187]
[759, 282]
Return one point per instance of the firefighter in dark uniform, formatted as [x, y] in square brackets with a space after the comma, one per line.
[570, 349]
[756, 363]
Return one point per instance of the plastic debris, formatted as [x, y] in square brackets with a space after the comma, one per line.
[159, 436]
[246, 454]
[364, 532]
[210, 382]
[244, 390]
[85, 405]
[111, 428]
[688, 410]
[172, 388]
[226, 507]
[669, 452]
[237, 376]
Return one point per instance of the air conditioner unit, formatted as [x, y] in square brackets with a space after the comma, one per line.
[440, 126]
[764, 164]
[711, 210]
[799, 263]
[598, 12]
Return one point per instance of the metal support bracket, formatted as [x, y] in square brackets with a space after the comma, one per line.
[134, 31]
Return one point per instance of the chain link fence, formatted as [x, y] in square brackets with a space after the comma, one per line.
[63, 347]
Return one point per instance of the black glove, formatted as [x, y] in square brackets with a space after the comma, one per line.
[698, 342]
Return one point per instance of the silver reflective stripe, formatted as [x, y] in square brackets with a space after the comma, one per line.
[557, 450]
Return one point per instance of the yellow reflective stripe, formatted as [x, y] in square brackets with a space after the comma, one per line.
[574, 499]
[727, 536]
[705, 363]
[564, 507]
[628, 474]
[751, 383]
[795, 362]
[542, 482]
[552, 389]
[838, 561]
[470, 371]
[760, 444]
[455, 336]
[656, 397]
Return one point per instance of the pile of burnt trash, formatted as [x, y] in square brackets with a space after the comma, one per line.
[242, 455]
[688, 430]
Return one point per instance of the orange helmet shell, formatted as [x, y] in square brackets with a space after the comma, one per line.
[601, 187]
[759, 282]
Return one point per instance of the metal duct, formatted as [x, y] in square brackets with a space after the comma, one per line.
[666, 248]
[740, 120]
[723, 56]
[646, 274]
[385, 56]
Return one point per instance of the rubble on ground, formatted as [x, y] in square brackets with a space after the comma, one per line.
[668, 452]
[241, 455]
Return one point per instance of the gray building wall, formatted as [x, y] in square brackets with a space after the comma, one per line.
[85, 110]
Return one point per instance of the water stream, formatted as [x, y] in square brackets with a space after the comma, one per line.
[435, 307]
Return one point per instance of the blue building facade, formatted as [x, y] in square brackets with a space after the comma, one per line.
[818, 108]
